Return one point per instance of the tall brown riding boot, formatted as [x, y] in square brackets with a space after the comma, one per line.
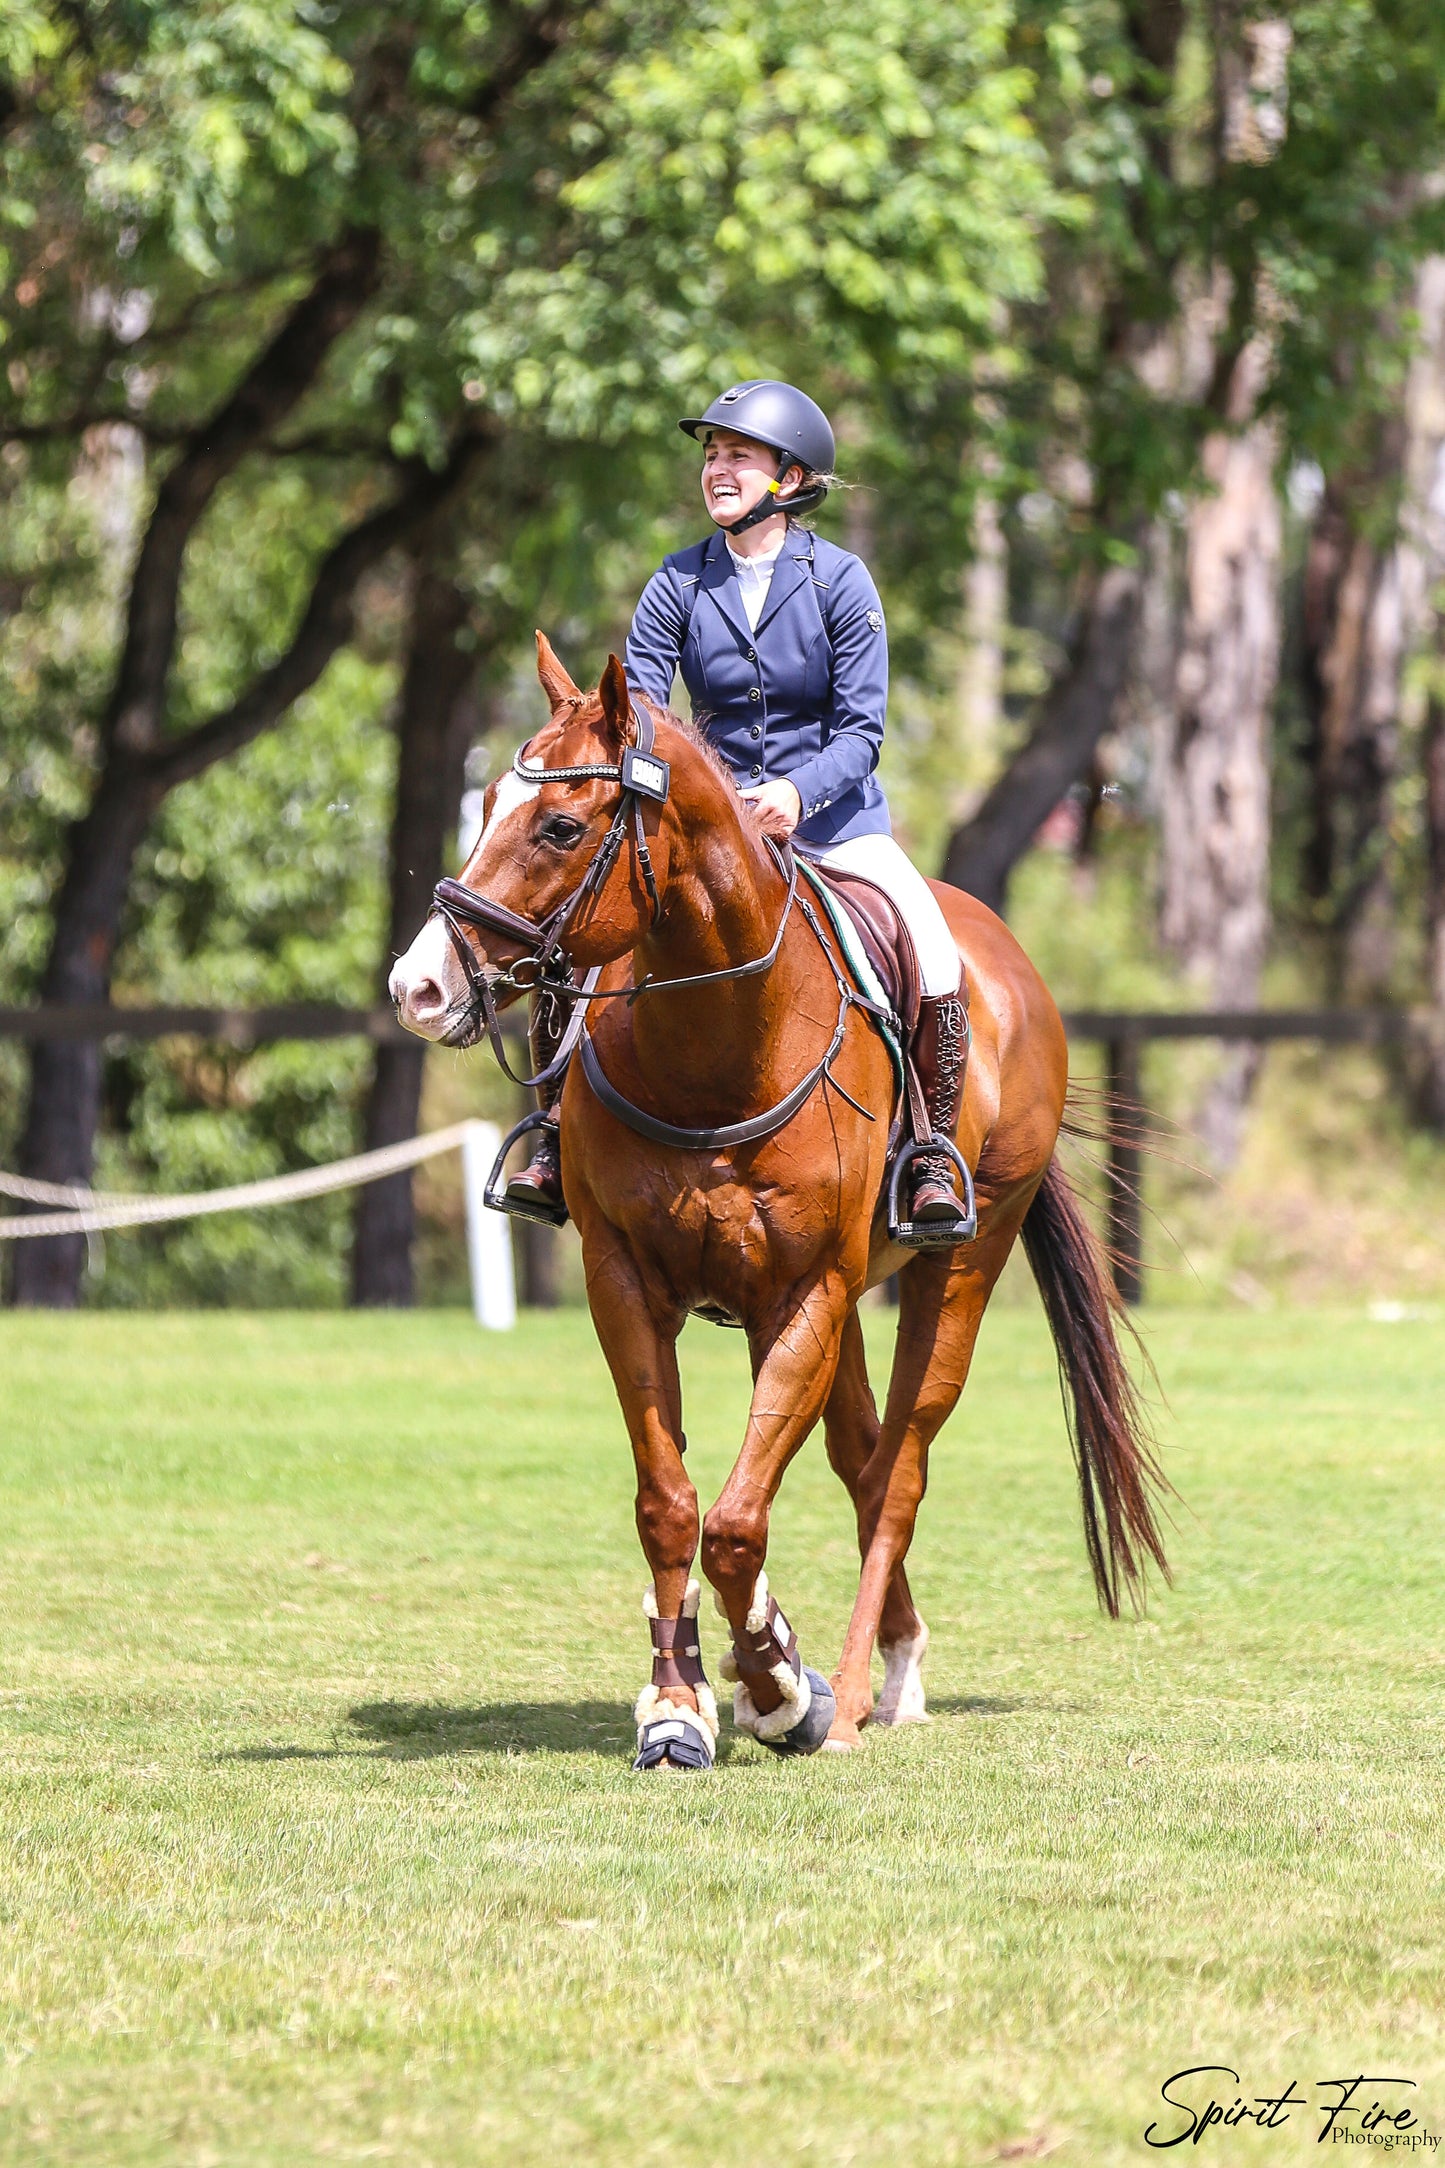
[535, 1191]
[940, 1050]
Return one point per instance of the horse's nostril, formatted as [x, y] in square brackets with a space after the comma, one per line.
[427, 998]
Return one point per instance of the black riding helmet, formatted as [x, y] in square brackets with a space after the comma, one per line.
[789, 423]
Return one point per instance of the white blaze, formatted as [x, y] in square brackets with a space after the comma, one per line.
[428, 982]
[512, 795]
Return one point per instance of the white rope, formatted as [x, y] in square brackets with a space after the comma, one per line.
[75, 1195]
[100, 1212]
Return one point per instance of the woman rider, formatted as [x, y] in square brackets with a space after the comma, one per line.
[779, 638]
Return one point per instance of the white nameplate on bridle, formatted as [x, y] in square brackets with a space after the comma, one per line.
[645, 774]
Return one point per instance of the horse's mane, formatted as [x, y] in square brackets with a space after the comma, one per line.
[589, 710]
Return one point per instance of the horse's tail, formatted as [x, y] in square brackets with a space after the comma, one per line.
[1118, 1471]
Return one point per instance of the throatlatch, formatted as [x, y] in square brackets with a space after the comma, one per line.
[769, 1650]
[669, 1729]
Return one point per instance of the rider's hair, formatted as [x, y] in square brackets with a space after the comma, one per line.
[813, 478]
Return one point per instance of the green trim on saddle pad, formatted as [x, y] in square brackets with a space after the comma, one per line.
[856, 958]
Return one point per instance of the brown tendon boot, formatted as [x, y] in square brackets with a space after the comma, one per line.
[940, 1048]
[535, 1191]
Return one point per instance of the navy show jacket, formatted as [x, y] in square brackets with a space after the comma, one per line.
[802, 698]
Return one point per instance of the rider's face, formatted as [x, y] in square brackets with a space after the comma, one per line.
[736, 472]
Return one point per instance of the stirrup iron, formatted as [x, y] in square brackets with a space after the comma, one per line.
[919, 1235]
[494, 1195]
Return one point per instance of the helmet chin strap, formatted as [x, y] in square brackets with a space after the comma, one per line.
[805, 500]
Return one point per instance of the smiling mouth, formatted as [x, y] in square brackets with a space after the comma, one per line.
[724, 490]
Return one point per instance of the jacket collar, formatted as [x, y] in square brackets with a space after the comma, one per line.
[789, 573]
[719, 579]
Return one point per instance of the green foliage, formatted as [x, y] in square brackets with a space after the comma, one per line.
[262, 882]
[858, 204]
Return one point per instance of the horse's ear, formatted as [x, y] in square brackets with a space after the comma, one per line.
[556, 684]
[616, 701]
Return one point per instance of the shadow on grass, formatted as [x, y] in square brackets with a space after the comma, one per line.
[423, 1730]
[973, 1705]
[990, 1705]
[412, 1730]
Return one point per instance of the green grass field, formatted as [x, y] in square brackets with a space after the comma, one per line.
[319, 1841]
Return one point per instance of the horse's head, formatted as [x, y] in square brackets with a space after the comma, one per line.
[540, 846]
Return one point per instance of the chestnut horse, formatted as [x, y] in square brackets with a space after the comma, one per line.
[783, 1232]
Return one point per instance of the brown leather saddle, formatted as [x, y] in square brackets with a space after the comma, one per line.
[884, 938]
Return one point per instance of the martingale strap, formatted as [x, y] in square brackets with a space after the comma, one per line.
[544, 967]
[756, 1126]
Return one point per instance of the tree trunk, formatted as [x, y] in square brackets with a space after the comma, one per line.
[1433, 1082]
[983, 851]
[1366, 609]
[435, 720]
[1356, 637]
[58, 1141]
[1214, 787]
[985, 628]
[101, 848]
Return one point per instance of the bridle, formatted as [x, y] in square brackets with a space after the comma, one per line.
[641, 776]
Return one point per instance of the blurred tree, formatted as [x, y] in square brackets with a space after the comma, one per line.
[436, 720]
[371, 247]
[291, 293]
[246, 174]
[1376, 554]
[1252, 204]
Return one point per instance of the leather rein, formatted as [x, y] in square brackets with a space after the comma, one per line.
[640, 776]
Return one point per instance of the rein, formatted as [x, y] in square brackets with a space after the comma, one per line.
[640, 775]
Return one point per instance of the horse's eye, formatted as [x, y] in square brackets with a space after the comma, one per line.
[561, 829]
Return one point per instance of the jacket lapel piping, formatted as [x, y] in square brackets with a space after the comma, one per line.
[789, 573]
[719, 581]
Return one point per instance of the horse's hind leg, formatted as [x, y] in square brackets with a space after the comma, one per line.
[851, 1428]
[941, 1305]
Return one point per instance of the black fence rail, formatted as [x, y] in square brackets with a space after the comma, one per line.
[1122, 1033]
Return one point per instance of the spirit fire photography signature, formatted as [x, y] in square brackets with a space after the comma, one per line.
[1359, 2110]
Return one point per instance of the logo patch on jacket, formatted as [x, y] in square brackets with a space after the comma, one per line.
[875, 621]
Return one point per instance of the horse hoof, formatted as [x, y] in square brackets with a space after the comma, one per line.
[676, 1743]
[903, 1700]
[811, 1731]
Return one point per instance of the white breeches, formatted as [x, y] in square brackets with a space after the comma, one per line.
[879, 858]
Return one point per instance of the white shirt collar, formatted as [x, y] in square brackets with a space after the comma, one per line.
[763, 561]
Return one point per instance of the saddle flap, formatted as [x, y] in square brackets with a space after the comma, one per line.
[886, 941]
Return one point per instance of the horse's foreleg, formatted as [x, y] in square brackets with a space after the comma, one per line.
[676, 1713]
[851, 1428]
[941, 1306]
[793, 1375]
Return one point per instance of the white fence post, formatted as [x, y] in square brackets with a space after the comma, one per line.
[489, 1238]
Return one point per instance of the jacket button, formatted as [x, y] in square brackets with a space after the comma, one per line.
[754, 693]
[756, 731]
[752, 654]
[756, 769]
